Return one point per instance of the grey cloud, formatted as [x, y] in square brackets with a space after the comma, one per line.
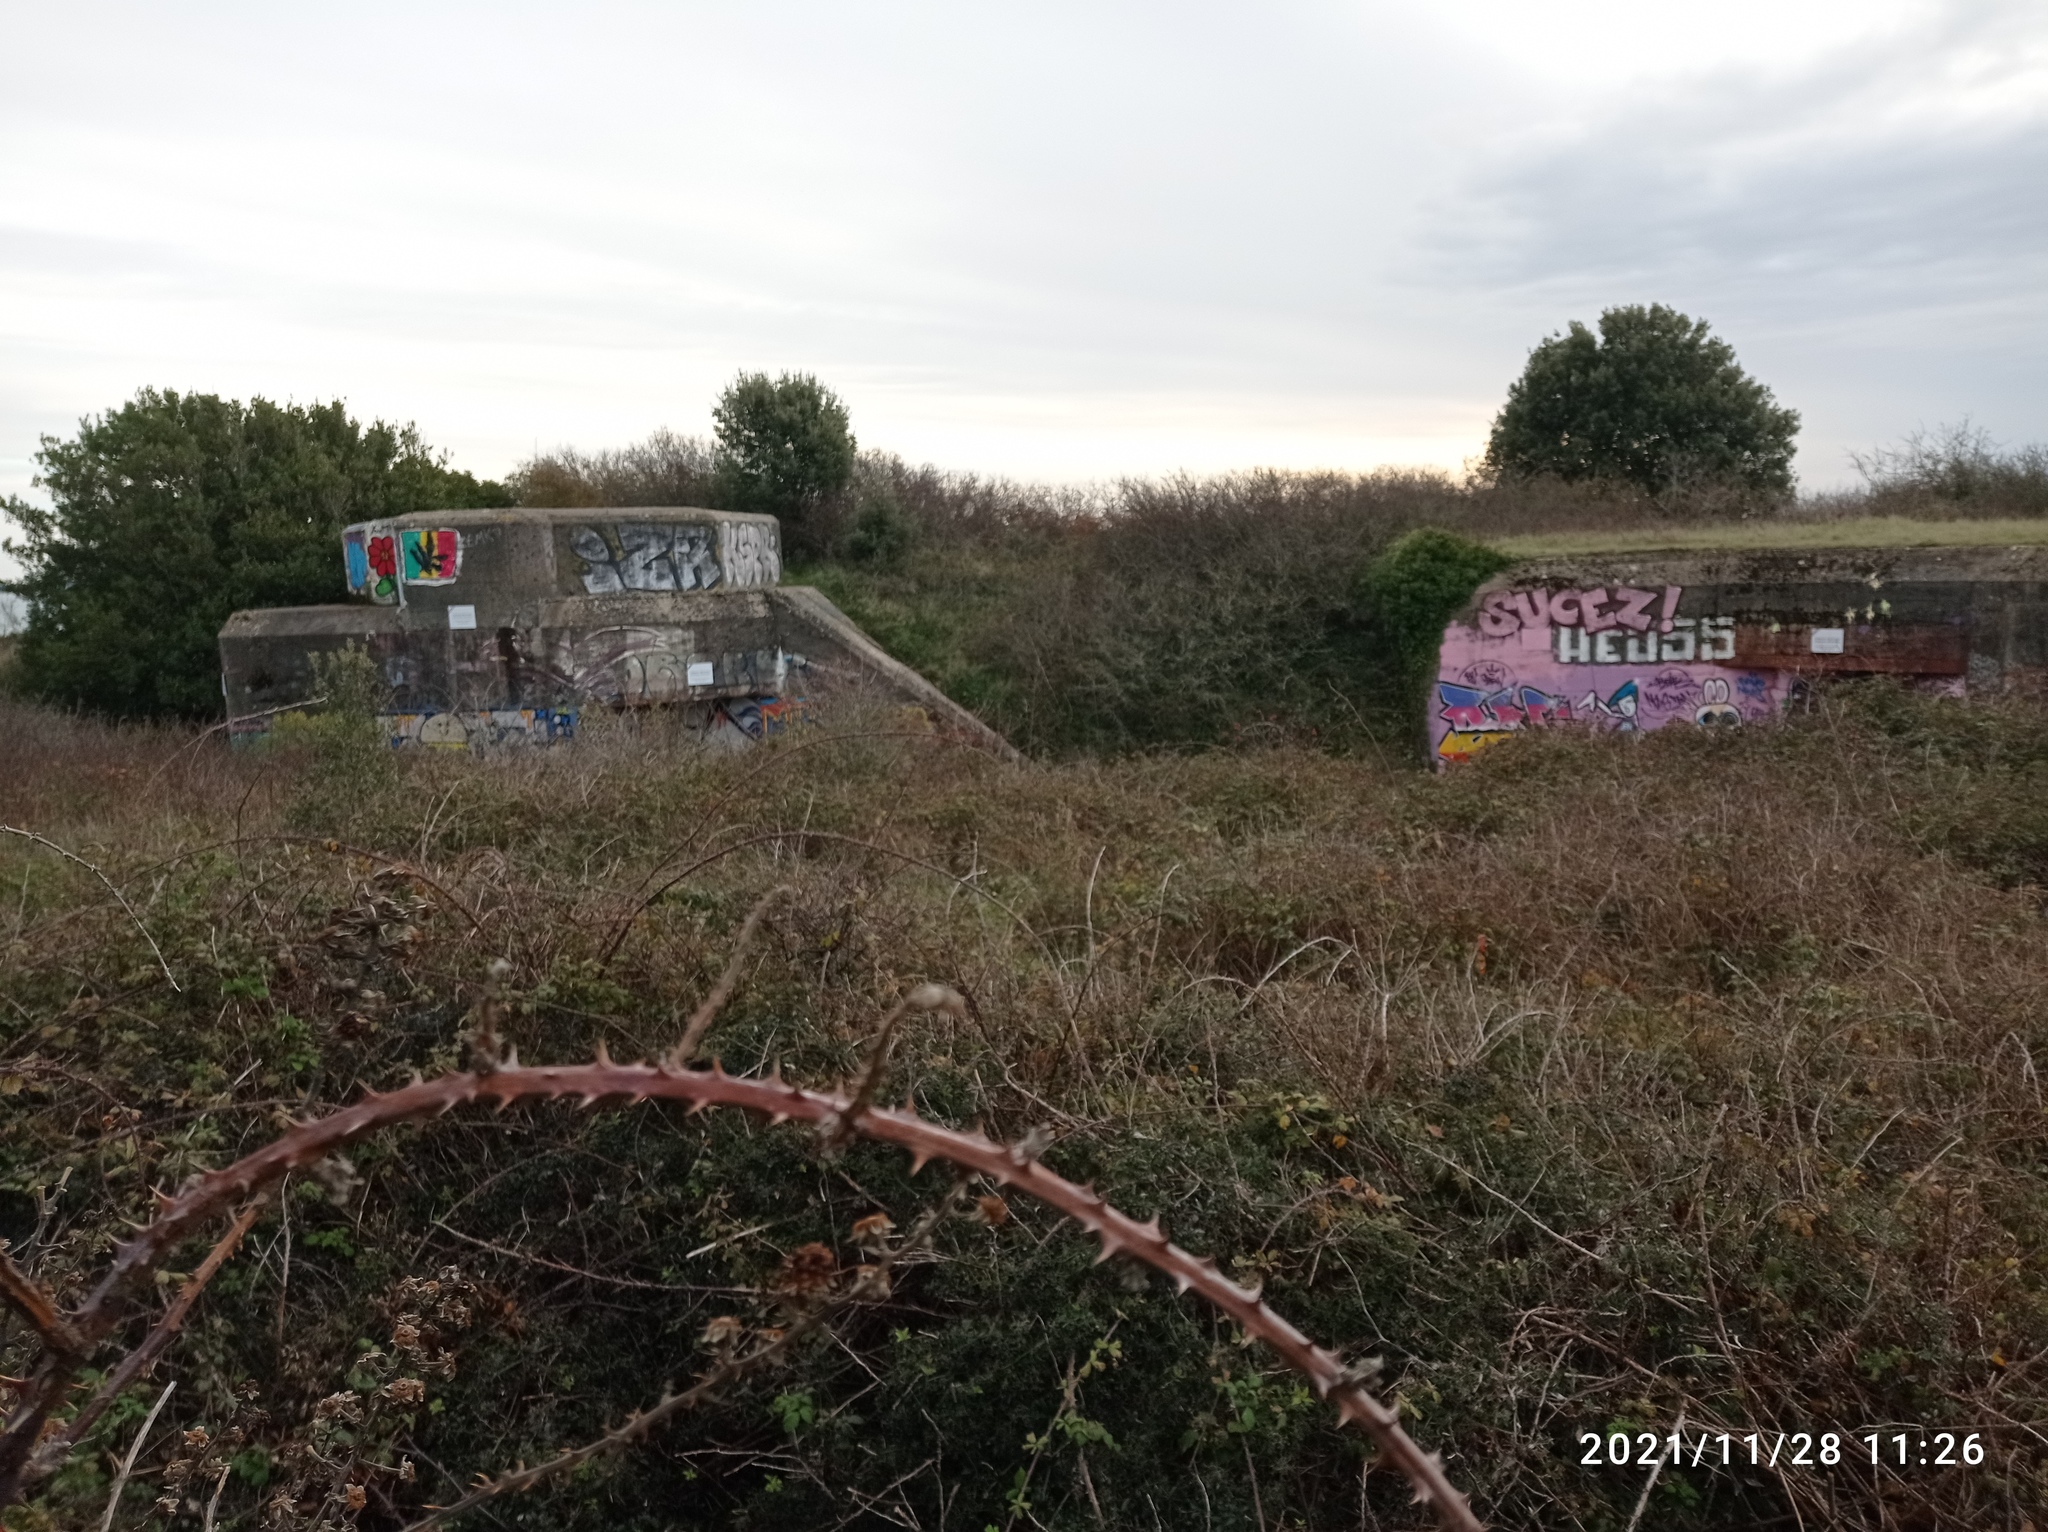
[1883, 248]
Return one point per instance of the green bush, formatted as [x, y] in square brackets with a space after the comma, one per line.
[174, 511]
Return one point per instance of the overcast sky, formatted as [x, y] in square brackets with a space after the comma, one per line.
[1055, 241]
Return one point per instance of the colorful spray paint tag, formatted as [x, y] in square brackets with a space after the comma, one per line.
[1620, 660]
[355, 558]
[432, 555]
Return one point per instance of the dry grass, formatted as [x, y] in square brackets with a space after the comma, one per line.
[1842, 532]
[1596, 1084]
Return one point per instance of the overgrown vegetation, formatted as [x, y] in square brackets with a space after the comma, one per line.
[1604, 1080]
[1189, 613]
[1176, 613]
[1180, 613]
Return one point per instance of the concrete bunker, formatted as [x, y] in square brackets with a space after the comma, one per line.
[506, 626]
[1638, 641]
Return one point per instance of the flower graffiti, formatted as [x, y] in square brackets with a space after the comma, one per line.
[381, 554]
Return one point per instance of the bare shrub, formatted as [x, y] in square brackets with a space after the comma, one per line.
[665, 469]
[1952, 472]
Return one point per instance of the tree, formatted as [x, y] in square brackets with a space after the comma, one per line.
[784, 448]
[175, 510]
[1656, 401]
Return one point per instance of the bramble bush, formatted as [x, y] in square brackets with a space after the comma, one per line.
[1596, 1082]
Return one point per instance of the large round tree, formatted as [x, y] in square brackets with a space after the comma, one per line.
[785, 447]
[1655, 400]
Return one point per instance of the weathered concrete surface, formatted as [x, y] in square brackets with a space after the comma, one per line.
[492, 626]
[1640, 640]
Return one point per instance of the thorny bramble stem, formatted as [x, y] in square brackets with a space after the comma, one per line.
[1118, 1233]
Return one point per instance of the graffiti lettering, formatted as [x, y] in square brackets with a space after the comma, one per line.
[751, 557]
[1666, 669]
[1505, 613]
[1669, 691]
[480, 728]
[642, 556]
[1711, 638]
[1472, 713]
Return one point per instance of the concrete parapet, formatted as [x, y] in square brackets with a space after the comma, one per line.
[494, 626]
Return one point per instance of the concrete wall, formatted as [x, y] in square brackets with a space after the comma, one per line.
[498, 626]
[1641, 641]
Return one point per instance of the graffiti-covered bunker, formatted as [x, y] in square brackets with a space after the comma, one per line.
[1642, 640]
[505, 626]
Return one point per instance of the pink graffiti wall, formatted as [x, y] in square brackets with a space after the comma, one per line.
[1620, 659]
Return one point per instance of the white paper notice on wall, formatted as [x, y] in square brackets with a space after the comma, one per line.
[700, 673]
[1827, 640]
[461, 616]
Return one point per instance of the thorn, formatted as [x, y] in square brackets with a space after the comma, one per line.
[718, 1069]
[696, 1107]
[1151, 1230]
[604, 1055]
[1183, 1281]
[919, 1158]
[1110, 1246]
[775, 1070]
[777, 1119]
[586, 1101]
[511, 1057]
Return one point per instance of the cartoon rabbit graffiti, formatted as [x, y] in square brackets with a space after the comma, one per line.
[1715, 710]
